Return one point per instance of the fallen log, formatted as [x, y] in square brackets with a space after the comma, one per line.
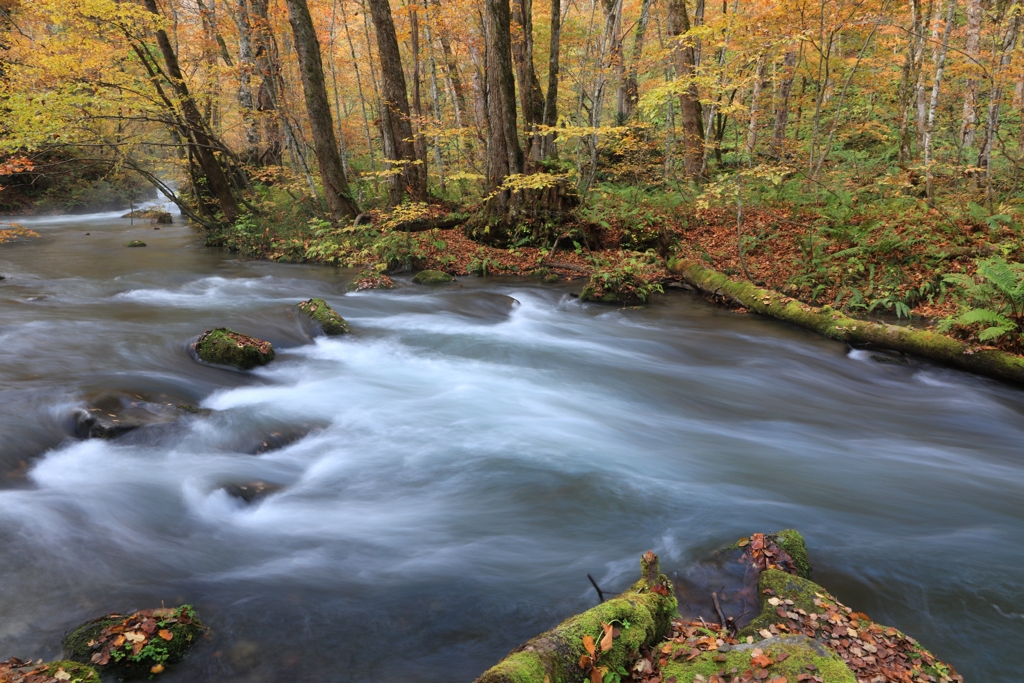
[605, 637]
[835, 325]
[424, 224]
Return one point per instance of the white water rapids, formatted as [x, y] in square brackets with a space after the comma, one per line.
[452, 470]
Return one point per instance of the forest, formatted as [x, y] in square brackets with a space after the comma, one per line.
[861, 155]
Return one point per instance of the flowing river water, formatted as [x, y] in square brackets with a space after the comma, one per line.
[452, 470]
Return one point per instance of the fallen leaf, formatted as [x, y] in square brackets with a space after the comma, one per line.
[165, 634]
[61, 675]
[779, 679]
[159, 669]
[585, 661]
[743, 542]
[588, 644]
[606, 640]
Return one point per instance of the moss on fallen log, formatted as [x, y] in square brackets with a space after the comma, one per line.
[641, 616]
[835, 325]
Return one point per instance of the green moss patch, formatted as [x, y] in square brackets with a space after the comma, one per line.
[323, 315]
[65, 671]
[789, 656]
[432, 277]
[370, 279]
[135, 243]
[222, 346]
[136, 645]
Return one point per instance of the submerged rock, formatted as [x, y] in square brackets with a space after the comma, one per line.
[110, 415]
[136, 645]
[326, 317]
[251, 491]
[152, 214]
[135, 243]
[432, 277]
[222, 346]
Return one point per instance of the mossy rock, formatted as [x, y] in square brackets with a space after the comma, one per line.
[792, 541]
[135, 243]
[79, 673]
[432, 277]
[370, 279]
[786, 587]
[801, 654]
[222, 346]
[326, 317]
[108, 644]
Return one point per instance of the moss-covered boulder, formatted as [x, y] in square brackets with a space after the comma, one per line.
[789, 656]
[607, 637]
[794, 605]
[65, 671]
[370, 279]
[323, 315]
[137, 645]
[432, 277]
[222, 346]
[135, 243]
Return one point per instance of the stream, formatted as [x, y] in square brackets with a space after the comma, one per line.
[452, 470]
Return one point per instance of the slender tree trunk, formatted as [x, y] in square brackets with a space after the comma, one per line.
[973, 51]
[940, 66]
[1009, 43]
[782, 108]
[911, 69]
[551, 102]
[246, 68]
[419, 142]
[271, 86]
[531, 99]
[631, 93]
[690, 114]
[201, 143]
[332, 175]
[359, 87]
[396, 126]
[755, 96]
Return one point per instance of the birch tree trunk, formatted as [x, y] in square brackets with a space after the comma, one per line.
[755, 96]
[973, 50]
[782, 107]
[325, 145]
[268, 96]
[940, 66]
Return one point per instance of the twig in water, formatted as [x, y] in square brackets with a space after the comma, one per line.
[600, 593]
[718, 608]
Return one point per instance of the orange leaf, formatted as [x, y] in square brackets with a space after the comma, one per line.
[588, 643]
[606, 641]
[597, 674]
[165, 634]
[779, 679]
[585, 661]
[159, 669]
[743, 542]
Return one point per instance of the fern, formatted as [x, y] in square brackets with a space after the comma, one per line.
[996, 299]
[998, 324]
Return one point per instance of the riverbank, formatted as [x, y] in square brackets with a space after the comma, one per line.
[955, 278]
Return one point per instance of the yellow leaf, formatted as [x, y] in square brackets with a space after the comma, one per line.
[159, 668]
[588, 643]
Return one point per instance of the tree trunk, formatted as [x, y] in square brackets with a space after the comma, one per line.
[782, 108]
[690, 114]
[531, 99]
[551, 103]
[332, 174]
[419, 142]
[201, 144]
[631, 93]
[972, 50]
[505, 157]
[1009, 43]
[394, 112]
[911, 69]
[268, 96]
[940, 66]
[246, 68]
[755, 96]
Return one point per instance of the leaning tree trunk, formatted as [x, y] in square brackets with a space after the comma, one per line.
[202, 146]
[332, 173]
[394, 112]
[690, 114]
